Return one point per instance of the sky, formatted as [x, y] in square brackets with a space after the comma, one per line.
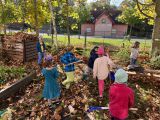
[113, 2]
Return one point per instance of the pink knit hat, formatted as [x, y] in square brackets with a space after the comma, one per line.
[100, 50]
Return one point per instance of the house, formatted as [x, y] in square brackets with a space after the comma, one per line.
[104, 23]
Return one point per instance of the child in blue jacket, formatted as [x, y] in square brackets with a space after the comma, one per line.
[67, 59]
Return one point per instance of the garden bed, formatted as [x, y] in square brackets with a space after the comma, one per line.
[13, 71]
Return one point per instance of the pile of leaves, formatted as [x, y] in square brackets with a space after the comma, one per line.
[74, 102]
[18, 37]
[155, 62]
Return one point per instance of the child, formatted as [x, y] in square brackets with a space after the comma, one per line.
[106, 49]
[92, 58]
[121, 97]
[134, 53]
[101, 69]
[41, 49]
[51, 87]
[111, 73]
[68, 58]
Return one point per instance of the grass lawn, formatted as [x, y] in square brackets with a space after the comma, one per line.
[91, 41]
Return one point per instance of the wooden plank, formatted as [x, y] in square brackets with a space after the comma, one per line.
[31, 43]
[14, 88]
[16, 57]
[31, 49]
[29, 59]
[14, 52]
[31, 56]
[31, 46]
[142, 74]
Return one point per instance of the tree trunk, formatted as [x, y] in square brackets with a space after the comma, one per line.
[68, 24]
[130, 30]
[4, 26]
[5, 29]
[130, 33]
[79, 30]
[156, 31]
[53, 23]
[36, 18]
[24, 13]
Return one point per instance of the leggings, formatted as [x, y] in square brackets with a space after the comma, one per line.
[69, 80]
[101, 87]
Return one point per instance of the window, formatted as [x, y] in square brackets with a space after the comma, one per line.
[114, 31]
[88, 30]
[103, 21]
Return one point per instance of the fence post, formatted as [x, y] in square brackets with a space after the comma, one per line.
[85, 40]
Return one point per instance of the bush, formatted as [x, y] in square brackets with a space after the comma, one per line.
[123, 55]
[9, 73]
[155, 62]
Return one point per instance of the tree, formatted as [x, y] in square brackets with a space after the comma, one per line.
[83, 13]
[37, 13]
[128, 16]
[53, 20]
[68, 16]
[9, 13]
[36, 17]
[156, 29]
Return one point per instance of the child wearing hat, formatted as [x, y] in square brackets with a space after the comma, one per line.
[121, 97]
[101, 69]
[51, 88]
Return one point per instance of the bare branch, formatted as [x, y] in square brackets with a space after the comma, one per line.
[141, 11]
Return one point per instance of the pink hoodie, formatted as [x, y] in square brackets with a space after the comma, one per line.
[121, 99]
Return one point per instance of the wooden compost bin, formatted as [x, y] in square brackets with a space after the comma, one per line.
[21, 47]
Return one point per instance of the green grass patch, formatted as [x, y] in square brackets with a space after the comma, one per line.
[92, 41]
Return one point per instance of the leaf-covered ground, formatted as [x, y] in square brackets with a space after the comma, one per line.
[28, 104]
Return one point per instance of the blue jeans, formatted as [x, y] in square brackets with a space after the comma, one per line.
[40, 57]
[133, 61]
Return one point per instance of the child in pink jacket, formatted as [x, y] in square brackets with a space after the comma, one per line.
[101, 69]
[121, 97]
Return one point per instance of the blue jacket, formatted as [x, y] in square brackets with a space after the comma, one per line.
[67, 58]
[38, 47]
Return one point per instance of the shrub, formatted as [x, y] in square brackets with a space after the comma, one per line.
[123, 55]
[155, 62]
[9, 73]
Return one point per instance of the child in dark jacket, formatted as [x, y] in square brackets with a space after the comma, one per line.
[121, 97]
[41, 49]
[92, 58]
